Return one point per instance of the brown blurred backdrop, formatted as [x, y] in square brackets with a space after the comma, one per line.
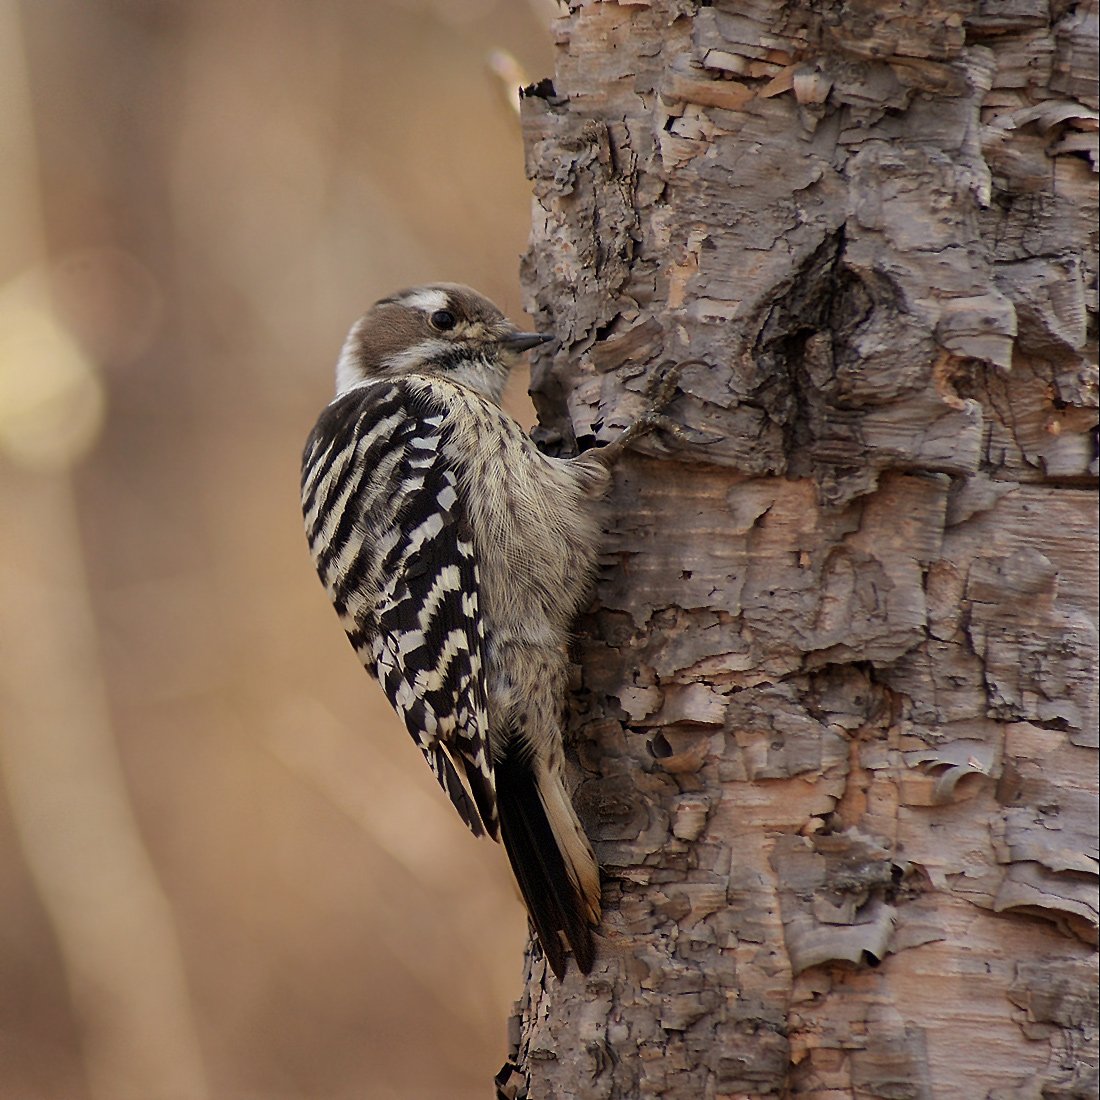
[225, 871]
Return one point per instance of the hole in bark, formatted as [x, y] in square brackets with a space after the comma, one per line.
[659, 747]
[810, 358]
[870, 959]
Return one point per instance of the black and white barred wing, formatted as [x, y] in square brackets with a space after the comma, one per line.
[390, 537]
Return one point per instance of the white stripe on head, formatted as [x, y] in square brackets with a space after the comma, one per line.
[428, 299]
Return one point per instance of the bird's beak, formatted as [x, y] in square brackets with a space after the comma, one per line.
[523, 341]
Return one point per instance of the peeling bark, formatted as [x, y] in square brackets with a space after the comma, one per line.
[835, 724]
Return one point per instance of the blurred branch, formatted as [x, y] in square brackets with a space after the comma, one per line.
[68, 799]
[58, 757]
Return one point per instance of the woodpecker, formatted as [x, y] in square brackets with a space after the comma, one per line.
[457, 556]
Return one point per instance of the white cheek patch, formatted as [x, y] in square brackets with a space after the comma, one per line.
[347, 370]
[415, 356]
[426, 299]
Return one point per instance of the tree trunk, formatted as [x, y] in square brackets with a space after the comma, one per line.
[835, 724]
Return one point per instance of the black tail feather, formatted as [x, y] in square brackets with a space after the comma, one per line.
[483, 796]
[553, 901]
[448, 779]
[479, 813]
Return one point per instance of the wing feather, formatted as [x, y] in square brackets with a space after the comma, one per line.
[390, 535]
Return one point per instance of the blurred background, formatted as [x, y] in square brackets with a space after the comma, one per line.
[225, 870]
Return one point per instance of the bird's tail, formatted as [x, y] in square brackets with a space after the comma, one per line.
[551, 858]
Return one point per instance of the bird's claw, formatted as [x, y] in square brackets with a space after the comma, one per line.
[682, 432]
[662, 385]
[661, 390]
[659, 393]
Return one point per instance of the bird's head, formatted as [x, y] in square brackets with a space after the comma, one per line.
[443, 329]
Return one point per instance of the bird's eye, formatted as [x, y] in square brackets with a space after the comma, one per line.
[442, 319]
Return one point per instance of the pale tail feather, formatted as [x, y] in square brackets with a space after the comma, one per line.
[551, 859]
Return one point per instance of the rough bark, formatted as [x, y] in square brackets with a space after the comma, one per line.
[835, 720]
